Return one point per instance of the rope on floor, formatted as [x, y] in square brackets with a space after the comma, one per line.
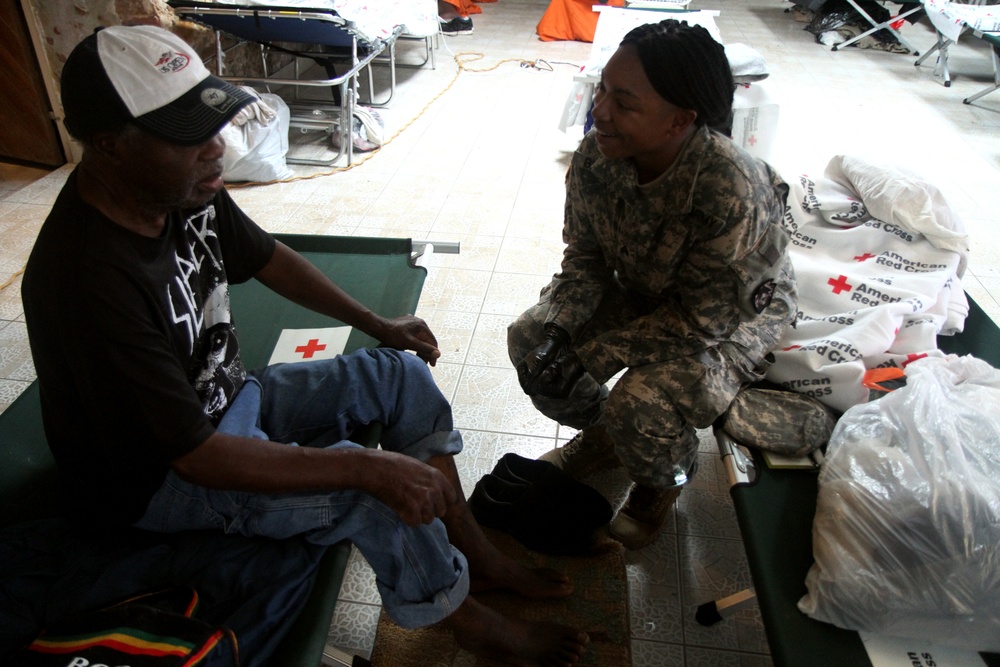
[12, 279]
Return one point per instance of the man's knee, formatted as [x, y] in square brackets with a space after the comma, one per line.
[411, 369]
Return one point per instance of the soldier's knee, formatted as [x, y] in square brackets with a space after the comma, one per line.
[523, 335]
[631, 421]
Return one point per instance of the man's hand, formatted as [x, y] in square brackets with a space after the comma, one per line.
[289, 274]
[538, 360]
[410, 333]
[419, 493]
[416, 491]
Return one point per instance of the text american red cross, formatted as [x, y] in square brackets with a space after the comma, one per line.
[310, 348]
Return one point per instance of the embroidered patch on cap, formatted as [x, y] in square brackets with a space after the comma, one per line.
[217, 99]
[213, 96]
[172, 62]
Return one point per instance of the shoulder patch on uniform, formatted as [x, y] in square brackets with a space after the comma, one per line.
[762, 296]
[771, 253]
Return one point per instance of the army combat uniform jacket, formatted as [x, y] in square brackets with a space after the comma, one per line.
[701, 249]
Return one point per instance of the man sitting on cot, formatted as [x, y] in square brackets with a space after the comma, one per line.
[150, 415]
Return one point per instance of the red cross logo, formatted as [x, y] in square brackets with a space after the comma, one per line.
[839, 285]
[910, 358]
[752, 140]
[861, 258]
[310, 348]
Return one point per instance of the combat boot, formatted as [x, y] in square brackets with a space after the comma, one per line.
[589, 451]
[641, 518]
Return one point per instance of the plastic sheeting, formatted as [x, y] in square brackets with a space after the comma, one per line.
[906, 537]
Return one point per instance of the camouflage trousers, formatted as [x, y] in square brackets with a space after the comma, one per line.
[652, 411]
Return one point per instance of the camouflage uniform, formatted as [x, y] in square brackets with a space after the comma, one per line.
[685, 282]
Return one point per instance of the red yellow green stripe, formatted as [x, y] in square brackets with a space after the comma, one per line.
[125, 640]
[205, 650]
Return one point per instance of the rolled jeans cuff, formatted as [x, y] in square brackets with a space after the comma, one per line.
[410, 614]
[440, 443]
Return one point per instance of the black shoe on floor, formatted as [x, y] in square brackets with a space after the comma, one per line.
[457, 26]
[520, 470]
[556, 515]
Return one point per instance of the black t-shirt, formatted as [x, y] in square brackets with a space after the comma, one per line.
[133, 343]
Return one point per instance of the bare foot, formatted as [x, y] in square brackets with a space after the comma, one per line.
[536, 584]
[490, 568]
[482, 631]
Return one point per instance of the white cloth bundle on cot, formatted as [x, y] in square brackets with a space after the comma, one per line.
[878, 257]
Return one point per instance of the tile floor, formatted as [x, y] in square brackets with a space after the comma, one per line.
[483, 164]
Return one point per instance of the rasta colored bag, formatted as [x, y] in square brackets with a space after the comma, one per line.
[153, 630]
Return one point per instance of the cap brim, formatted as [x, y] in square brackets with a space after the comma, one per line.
[198, 115]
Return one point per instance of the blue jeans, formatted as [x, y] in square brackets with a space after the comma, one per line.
[421, 577]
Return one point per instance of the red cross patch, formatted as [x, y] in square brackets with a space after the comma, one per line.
[295, 345]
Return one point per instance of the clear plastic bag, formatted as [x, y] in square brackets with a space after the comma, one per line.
[256, 148]
[906, 536]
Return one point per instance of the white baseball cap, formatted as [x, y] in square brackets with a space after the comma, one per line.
[148, 76]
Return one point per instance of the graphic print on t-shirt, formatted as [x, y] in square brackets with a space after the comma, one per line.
[199, 300]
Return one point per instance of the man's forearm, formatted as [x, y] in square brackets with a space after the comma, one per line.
[416, 491]
[248, 464]
[292, 276]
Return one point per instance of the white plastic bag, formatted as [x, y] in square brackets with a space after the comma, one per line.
[906, 536]
[367, 130]
[257, 141]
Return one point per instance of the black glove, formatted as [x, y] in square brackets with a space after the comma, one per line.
[559, 378]
[532, 366]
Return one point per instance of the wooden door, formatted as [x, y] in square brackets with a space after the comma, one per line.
[27, 131]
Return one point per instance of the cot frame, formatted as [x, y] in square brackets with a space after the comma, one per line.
[887, 25]
[265, 25]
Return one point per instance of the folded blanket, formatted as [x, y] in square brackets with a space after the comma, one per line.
[878, 259]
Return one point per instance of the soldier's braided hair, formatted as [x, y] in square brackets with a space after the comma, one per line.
[687, 67]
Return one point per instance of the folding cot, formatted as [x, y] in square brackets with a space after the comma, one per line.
[912, 7]
[993, 39]
[329, 40]
[378, 272]
[951, 20]
[775, 515]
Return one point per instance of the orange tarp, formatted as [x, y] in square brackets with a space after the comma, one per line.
[571, 20]
[466, 7]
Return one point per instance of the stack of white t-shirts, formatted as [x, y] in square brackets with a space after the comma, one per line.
[878, 257]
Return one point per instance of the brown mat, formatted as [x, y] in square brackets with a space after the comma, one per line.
[598, 606]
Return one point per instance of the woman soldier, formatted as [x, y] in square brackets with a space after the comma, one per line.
[674, 271]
